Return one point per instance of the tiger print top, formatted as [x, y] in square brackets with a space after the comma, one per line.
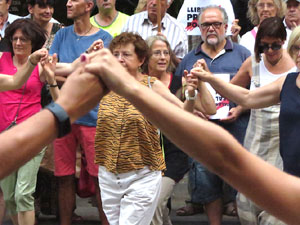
[125, 140]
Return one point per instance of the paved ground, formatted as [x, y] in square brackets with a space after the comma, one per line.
[90, 214]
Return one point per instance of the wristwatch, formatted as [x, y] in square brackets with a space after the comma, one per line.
[63, 121]
[189, 98]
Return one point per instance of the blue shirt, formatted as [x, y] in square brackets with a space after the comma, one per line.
[230, 62]
[69, 46]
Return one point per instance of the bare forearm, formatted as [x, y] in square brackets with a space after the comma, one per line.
[235, 93]
[189, 105]
[220, 153]
[207, 102]
[65, 69]
[24, 141]
[79, 95]
[54, 91]
[16, 81]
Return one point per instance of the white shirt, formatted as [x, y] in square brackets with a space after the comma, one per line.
[11, 18]
[174, 32]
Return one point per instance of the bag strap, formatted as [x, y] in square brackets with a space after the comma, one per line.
[255, 72]
[17, 114]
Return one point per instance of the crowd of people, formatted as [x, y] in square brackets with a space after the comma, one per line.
[127, 103]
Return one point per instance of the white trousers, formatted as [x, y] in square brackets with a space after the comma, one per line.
[129, 198]
[161, 215]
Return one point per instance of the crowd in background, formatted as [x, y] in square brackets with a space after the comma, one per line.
[113, 154]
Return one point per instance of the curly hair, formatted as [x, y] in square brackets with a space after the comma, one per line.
[141, 49]
[30, 29]
[252, 10]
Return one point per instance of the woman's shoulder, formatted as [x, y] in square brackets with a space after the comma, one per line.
[148, 80]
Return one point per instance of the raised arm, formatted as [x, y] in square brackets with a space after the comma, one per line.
[65, 69]
[48, 71]
[8, 82]
[163, 91]
[208, 143]
[79, 94]
[258, 98]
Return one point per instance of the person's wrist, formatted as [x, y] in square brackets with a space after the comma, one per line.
[191, 93]
[62, 119]
[52, 85]
[191, 96]
[31, 61]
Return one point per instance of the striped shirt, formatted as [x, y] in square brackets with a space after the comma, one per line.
[125, 140]
[174, 32]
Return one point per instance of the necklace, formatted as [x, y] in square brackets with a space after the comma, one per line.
[80, 36]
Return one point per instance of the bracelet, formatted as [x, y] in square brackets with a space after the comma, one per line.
[189, 98]
[29, 57]
[52, 85]
[62, 118]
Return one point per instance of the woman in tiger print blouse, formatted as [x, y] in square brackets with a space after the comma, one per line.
[127, 145]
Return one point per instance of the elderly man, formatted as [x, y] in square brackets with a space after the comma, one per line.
[5, 17]
[145, 24]
[108, 18]
[292, 17]
[69, 43]
[217, 51]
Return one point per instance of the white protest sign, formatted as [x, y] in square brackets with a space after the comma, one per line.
[191, 8]
[222, 104]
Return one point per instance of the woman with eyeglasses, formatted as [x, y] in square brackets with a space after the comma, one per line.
[258, 11]
[265, 72]
[127, 147]
[161, 66]
[25, 38]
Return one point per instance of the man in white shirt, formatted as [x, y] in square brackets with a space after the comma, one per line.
[5, 17]
[145, 24]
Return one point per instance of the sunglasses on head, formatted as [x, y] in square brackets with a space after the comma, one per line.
[263, 47]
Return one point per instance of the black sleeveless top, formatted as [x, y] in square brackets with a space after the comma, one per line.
[289, 125]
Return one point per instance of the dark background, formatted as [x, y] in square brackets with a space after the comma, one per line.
[19, 7]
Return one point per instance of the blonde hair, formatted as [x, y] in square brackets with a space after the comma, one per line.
[252, 10]
[294, 39]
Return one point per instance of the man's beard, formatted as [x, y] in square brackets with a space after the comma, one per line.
[214, 42]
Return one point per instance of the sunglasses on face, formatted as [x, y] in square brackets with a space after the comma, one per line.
[263, 47]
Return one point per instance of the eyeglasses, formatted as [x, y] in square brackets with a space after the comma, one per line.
[263, 5]
[21, 39]
[295, 49]
[263, 47]
[158, 53]
[123, 55]
[216, 25]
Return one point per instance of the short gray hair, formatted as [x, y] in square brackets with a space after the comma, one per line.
[222, 10]
[94, 4]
